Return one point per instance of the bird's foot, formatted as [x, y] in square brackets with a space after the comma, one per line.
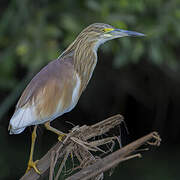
[60, 137]
[32, 164]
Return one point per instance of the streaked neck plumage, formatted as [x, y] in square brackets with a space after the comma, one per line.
[84, 54]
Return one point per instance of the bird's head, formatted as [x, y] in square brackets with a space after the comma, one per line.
[93, 36]
[100, 33]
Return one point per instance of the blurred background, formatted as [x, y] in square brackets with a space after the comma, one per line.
[136, 77]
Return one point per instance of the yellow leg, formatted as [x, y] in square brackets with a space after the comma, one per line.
[54, 130]
[31, 163]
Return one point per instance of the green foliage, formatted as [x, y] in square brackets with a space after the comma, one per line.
[33, 33]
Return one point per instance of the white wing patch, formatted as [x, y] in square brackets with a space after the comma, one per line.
[22, 118]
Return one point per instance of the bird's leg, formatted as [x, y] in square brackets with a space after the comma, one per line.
[31, 163]
[54, 130]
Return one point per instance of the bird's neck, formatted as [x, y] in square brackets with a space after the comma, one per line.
[84, 59]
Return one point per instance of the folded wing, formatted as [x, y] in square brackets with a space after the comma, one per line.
[51, 93]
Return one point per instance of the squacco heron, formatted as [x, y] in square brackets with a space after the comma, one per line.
[56, 89]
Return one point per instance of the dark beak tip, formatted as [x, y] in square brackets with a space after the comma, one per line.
[143, 34]
[138, 35]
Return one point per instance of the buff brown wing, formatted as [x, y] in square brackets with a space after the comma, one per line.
[48, 95]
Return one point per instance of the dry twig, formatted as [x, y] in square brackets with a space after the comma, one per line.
[80, 142]
[113, 159]
[83, 134]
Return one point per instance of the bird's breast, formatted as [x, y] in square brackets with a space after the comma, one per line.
[69, 97]
[66, 99]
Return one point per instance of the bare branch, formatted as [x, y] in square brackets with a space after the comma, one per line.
[83, 133]
[113, 159]
[81, 142]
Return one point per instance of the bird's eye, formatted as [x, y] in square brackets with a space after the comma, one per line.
[106, 30]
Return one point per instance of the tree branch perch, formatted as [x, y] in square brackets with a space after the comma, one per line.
[77, 143]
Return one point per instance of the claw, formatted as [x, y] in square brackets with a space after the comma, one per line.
[60, 137]
[32, 164]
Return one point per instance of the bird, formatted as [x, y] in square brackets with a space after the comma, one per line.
[56, 89]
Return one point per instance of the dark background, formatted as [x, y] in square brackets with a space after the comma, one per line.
[136, 77]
